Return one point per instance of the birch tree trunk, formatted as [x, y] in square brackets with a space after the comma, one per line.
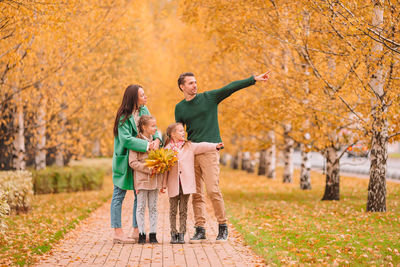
[40, 153]
[251, 164]
[224, 159]
[19, 141]
[332, 186]
[305, 177]
[288, 155]
[271, 157]
[377, 176]
[60, 145]
[96, 148]
[19, 138]
[288, 146]
[235, 161]
[245, 160]
[262, 162]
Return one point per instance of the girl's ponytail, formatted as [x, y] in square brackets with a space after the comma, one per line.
[167, 140]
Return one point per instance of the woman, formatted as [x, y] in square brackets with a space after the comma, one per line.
[125, 132]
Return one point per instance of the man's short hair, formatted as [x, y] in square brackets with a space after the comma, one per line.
[181, 79]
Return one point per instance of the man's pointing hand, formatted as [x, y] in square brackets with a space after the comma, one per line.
[263, 77]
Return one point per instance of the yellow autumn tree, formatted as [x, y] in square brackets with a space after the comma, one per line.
[327, 70]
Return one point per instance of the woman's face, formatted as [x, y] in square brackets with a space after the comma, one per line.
[142, 98]
[178, 134]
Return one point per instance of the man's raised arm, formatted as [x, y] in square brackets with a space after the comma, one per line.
[224, 92]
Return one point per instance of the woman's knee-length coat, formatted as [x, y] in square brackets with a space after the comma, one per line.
[126, 140]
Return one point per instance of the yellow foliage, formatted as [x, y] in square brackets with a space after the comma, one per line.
[72, 61]
[161, 160]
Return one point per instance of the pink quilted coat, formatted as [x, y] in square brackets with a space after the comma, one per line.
[184, 168]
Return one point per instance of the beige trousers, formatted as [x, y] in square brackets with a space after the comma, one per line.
[206, 168]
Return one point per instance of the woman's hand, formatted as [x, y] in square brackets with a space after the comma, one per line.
[156, 143]
[263, 77]
[220, 146]
[153, 145]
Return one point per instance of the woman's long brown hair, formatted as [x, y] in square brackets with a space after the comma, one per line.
[128, 105]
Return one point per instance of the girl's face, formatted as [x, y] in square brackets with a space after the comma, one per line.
[178, 134]
[150, 128]
[142, 98]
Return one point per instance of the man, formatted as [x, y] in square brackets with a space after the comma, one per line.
[199, 113]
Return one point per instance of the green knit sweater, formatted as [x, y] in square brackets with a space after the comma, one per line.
[200, 115]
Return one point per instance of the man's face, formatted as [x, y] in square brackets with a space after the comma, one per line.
[189, 87]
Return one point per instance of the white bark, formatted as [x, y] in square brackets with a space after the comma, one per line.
[224, 159]
[19, 138]
[377, 182]
[235, 161]
[288, 155]
[270, 166]
[40, 153]
[305, 177]
[252, 164]
[96, 152]
[19, 141]
[288, 142]
[60, 145]
[246, 160]
[332, 186]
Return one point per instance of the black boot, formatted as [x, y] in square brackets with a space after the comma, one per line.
[222, 233]
[199, 235]
[142, 238]
[153, 238]
[174, 238]
[181, 238]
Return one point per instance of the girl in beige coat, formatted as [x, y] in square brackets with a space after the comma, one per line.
[146, 183]
[180, 180]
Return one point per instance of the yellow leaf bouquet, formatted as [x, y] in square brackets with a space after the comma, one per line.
[161, 160]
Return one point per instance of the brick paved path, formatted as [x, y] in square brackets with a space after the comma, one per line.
[90, 244]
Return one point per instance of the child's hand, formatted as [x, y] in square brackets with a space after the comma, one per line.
[220, 146]
[162, 190]
[153, 172]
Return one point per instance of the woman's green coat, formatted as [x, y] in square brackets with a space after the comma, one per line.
[126, 140]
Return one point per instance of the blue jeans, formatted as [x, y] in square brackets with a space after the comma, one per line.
[116, 207]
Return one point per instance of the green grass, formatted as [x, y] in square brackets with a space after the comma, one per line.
[51, 217]
[289, 226]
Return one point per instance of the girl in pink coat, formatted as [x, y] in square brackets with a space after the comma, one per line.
[180, 180]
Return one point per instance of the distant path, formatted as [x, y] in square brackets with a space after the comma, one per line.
[91, 244]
